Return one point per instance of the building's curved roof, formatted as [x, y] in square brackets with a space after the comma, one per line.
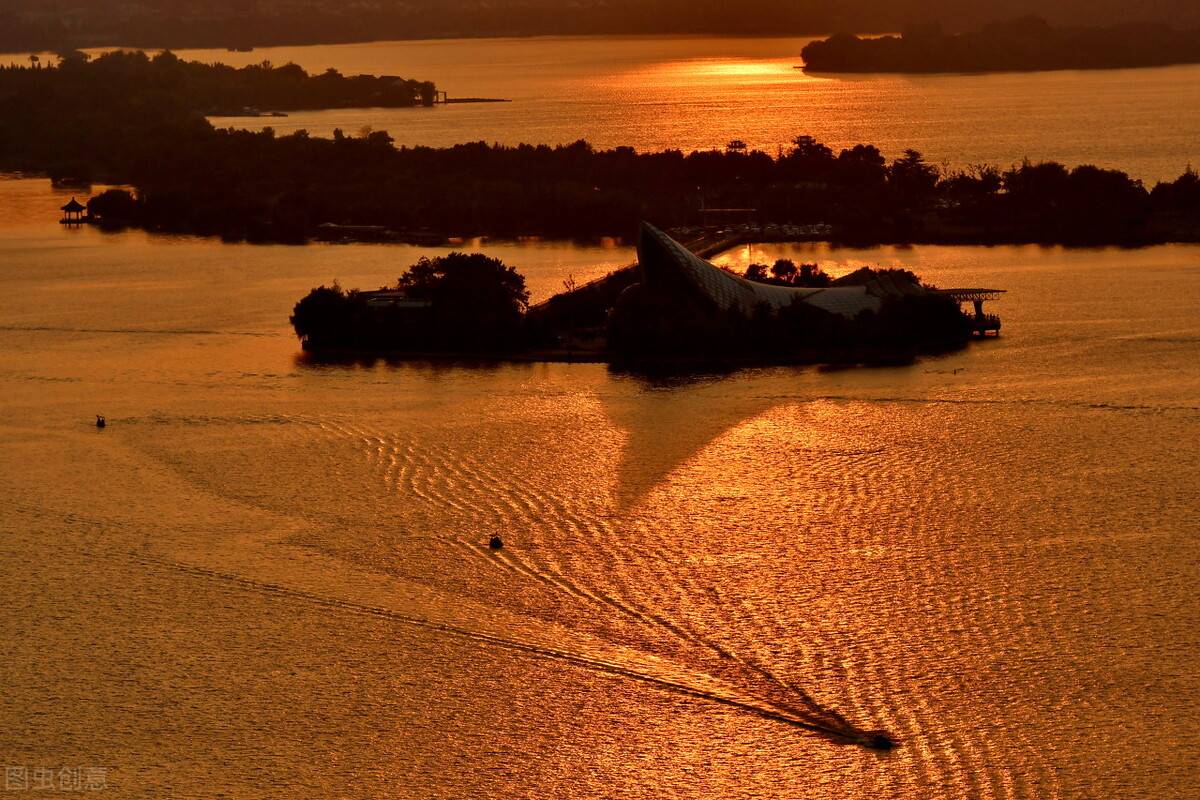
[664, 259]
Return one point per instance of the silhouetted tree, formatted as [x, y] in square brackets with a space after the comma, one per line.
[911, 177]
[329, 317]
[784, 270]
[756, 272]
[861, 167]
[114, 206]
[477, 300]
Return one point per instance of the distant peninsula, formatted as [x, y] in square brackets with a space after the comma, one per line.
[1022, 45]
[167, 84]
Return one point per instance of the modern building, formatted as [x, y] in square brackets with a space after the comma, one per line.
[665, 263]
[666, 267]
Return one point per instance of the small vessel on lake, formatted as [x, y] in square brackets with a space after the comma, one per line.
[879, 740]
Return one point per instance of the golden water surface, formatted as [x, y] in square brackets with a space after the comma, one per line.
[267, 578]
[690, 93]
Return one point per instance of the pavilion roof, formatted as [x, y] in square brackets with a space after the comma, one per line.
[74, 205]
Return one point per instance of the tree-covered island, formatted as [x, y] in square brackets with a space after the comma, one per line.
[671, 307]
[132, 80]
[1021, 45]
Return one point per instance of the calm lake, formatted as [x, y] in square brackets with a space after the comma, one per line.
[267, 578]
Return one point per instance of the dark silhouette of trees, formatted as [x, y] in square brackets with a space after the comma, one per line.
[329, 316]
[1026, 43]
[807, 160]
[142, 81]
[477, 301]
[912, 178]
[1182, 194]
[460, 303]
[784, 272]
[650, 325]
[113, 207]
[1082, 202]
[861, 168]
[124, 119]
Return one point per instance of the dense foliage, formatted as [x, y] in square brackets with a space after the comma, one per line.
[1029, 43]
[465, 304]
[461, 303]
[784, 272]
[86, 121]
[649, 325]
[177, 85]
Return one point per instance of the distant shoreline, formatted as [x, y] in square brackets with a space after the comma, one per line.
[1028, 44]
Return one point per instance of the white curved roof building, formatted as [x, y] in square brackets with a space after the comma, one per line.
[665, 261]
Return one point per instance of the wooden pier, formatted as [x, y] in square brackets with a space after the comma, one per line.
[982, 323]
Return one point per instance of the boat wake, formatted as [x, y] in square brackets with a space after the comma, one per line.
[653, 670]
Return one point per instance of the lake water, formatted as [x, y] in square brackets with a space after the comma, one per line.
[699, 92]
[267, 578]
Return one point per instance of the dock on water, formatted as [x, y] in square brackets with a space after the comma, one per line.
[982, 323]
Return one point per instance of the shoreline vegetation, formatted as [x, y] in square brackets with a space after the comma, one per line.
[176, 86]
[471, 307]
[1026, 44]
[126, 119]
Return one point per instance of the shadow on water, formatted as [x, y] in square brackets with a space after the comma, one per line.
[679, 412]
[669, 415]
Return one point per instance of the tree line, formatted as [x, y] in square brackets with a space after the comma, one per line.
[1025, 44]
[182, 86]
[94, 121]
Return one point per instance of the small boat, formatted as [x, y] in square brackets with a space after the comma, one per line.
[879, 740]
[495, 543]
[100, 423]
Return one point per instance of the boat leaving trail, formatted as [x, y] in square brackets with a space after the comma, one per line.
[691, 685]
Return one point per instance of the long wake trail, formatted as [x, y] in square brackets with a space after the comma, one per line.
[846, 734]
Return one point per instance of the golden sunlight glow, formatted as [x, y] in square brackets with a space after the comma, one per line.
[719, 72]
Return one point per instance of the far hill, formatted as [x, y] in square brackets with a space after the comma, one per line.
[1022, 45]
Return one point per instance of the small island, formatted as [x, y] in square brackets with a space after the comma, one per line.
[1021, 45]
[671, 308]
